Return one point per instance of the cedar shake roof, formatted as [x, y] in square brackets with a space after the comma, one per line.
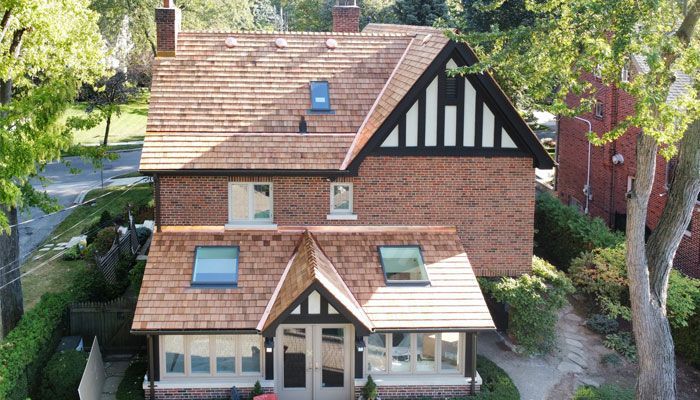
[307, 267]
[206, 97]
[344, 260]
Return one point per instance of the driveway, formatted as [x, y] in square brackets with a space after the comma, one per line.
[65, 187]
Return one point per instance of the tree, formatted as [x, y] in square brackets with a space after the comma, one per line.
[420, 12]
[107, 97]
[508, 15]
[544, 61]
[48, 48]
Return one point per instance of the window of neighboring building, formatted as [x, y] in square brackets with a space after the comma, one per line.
[250, 202]
[341, 198]
[599, 109]
[403, 264]
[215, 265]
[407, 353]
[320, 97]
[598, 71]
[625, 73]
[211, 355]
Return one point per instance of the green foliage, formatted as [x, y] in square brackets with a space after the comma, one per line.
[62, 375]
[28, 347]
[142, 234]
[605, 392]
[622, 343]
[420, 12]
[562, 232]
[131, 386]
[257, 390]
[683, 298]
[72, 254]
[611, 359]
[602, 324]
[369, 390]
[104, 240]
[534, 301]
[136, 275]
[496, 385]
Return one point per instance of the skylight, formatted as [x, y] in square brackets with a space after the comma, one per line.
[403, 264]
[215, 265]
[320, 98]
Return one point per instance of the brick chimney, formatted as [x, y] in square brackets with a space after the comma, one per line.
[346, 16]
[167, 28]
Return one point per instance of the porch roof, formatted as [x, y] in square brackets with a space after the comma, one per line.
[168, 302]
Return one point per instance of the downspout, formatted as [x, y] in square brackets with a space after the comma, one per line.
[587, 188]
[156, 182]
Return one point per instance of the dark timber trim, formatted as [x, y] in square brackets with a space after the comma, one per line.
[421, 120]
[441, 108]
[478, 121]
[359, 361]
[497, 133]
[269, 363]
[470, 360]
[459, 137]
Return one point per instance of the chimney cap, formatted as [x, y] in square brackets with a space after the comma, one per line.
[346, 3]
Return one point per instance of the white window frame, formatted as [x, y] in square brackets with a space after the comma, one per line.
[213, 373]
[413, 354]
[599, 109]
[332, 203]
[251, 202]
[625, 73]
[598, 71]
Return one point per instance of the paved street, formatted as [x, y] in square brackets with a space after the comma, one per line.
[66, 187]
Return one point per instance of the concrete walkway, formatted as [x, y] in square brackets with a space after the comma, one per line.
[115, 373]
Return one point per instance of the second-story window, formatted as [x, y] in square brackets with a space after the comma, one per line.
[250, 202]
[599, 109]
[341, 198]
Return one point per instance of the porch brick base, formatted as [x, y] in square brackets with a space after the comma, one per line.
[421, 392]
[200, 393]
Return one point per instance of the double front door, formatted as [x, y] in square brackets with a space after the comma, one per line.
[314, 362]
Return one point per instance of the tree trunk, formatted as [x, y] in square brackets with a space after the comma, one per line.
[109, 122]
[11, 303]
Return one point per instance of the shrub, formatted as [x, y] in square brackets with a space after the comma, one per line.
[62, 375]
[142, 234]
[605, 392]
[622, 343]
[534, 301]
[72, 254]
[562, 232]
[496, 384]
[136, 275]
[104, 240]
[144, 212]
[611, 359]
[369, 390]
[686, 341]
[131, 386]
[602, 324]
[106, 220]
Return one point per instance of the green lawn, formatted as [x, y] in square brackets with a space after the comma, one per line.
[55, 276]
[129, 126]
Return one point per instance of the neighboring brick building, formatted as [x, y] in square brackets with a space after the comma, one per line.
[324, 203]
[609, 179]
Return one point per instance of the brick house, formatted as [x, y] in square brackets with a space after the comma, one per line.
[612, 166]
[324, 203]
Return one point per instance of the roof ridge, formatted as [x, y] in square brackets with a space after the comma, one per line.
[306, 33]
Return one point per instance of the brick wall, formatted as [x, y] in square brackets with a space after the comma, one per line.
[489, 200]
[609, 182]
[421, 392]
[346, 19]
[199, 393]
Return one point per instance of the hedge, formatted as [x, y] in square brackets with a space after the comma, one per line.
[562, 232]
[62, 375]
[496, 384]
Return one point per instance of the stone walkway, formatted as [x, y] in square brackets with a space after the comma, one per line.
[115, 373]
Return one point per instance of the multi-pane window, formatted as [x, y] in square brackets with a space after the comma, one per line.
[215, 265]
[599, 109]
[403, 264]
[250, 202]
[341, 198]
[211, 355]
[407, 353]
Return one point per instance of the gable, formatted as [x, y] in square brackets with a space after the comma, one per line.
[455, 116]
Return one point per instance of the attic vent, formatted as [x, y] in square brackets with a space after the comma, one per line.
[320, 98]
[281, 43]
[231, 42]
[331, 43]
[451, 91]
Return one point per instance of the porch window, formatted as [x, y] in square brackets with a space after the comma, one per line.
[414, 353]
[250, 202]
[403, 264]
[215, 266]
[211, 355]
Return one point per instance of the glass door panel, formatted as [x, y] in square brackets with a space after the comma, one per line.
[332, 357]
[294, 357]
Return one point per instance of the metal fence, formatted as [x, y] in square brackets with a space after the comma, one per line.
[110, 322]
[126, 244]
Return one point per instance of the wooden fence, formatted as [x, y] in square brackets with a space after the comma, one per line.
[126, 244]
[110, 322]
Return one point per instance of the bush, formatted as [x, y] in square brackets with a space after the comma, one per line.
[28, 347]
[72, 254]
[622, 343]
[496, 384]
[144, 212]
[534, 301]
[62, 375]
[562, 232]
[131, 386]
[142, 234]
[686, 341]
[136, 275]
[602, 324]
[605, 392]
[104, 240]
[369, 390]
[106, 220]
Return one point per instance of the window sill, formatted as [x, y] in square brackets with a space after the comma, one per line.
[174, 382]
[420, 379]
[250, 227]
[341, 217]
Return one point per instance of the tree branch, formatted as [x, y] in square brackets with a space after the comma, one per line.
[5, 23]
[664, 241]
[687, 29]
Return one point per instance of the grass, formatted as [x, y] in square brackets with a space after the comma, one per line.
[130, 388]
[75, 150]
[56, 275]
[129, 175]
[129, 126]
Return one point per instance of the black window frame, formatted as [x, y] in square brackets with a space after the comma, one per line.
[391, 282]
[314, 110]
[234, 285]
